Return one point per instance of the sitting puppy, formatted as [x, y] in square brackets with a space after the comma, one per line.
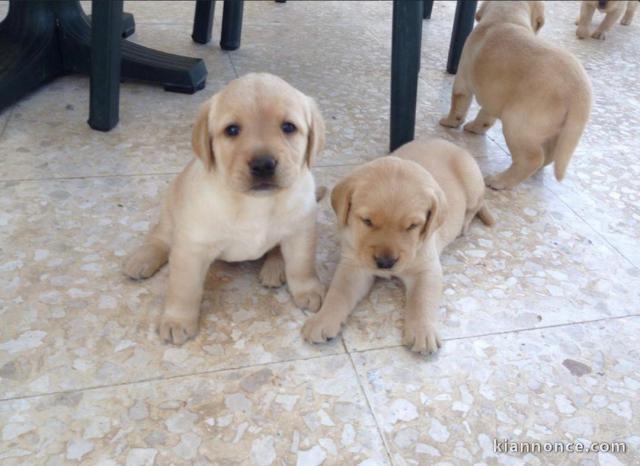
[539, 91]
[395, 216]
[613, 10]
[249, 192]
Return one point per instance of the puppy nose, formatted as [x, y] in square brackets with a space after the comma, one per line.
[263, 166]
[385, 262]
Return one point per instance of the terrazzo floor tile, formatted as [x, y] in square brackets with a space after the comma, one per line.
[71, 319]
[568, 384]
[84, 378]
[303, 412]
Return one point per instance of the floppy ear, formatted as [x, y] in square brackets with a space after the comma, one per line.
[201, 140]
[537, 15]
[436, 214]
[480, 11]
[315, 141]
[341, 199]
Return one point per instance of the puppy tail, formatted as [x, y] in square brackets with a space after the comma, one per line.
[484, 214]
[570, 134]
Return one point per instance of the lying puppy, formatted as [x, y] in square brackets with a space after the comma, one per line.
[613, 10]
[539, 91]
[395, 216]
[249, 192]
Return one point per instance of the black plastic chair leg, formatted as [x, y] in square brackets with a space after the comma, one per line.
[406, 40]
[104, 94]
[427, 7]
[231, 24]
[203, 21]
[462, 26]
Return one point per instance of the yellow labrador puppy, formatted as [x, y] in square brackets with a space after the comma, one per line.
[613, 10]
[540, 92]
[395, 216]
[248, 192]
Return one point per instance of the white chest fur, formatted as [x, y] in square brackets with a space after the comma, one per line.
[240, 227]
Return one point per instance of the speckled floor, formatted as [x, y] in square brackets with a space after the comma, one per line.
[541, 317]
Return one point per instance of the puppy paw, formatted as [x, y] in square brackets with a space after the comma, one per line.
[626, 20]
[582, 33]
[311, 297]
[177, 330]
[476, 128]
[421, 338]
[272, 272]
[451, 122]
[319, 329]
[497, 182]
[598, 35]
[144, 262]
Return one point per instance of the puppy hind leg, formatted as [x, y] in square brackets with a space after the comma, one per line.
[586, 15]
[485, 215]
[481, 124]
[150, 256]
[628, 15]
[461, 98]
[607, 23]
[527, 158]
[272, 272]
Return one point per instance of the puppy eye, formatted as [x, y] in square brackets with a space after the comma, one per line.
[413, 226]
[232, 130]
[367, 222]
[288, 127]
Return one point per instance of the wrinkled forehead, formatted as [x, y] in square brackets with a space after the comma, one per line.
[391, 197]
[261, 99]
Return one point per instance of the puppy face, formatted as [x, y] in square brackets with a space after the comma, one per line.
[259, 133]
[387, 209]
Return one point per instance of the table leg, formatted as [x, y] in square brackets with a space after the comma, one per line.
[231, 24]
[203, 21]
[462, 26]
[104, 94]
[427, 8]
[406, 41]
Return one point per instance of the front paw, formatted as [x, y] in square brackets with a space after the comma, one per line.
[177, 330]
[420, 337]
[598, 35]
[451, 122]
[310, 297]
[582, 33]
[319, 329]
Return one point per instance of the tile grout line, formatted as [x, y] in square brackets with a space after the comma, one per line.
[166, 378]
[515, 331]
[369, 404]
[568, 206]
[87, 177]
[233, 65]
[593, 228]
[131, 175]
